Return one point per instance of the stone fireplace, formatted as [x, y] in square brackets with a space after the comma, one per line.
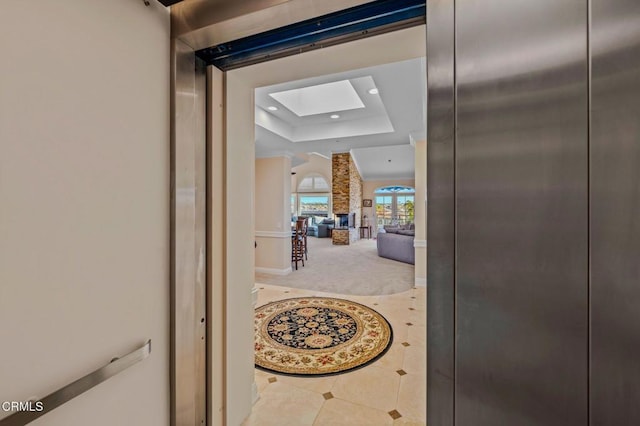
[346, 188]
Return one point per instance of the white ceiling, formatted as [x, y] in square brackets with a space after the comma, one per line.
[374, 134]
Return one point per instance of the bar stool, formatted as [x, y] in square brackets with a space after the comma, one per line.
[305, 229]
[298, 243]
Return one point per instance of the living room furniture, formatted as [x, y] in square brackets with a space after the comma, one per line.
[298, 242]
[312, 227]
[397, 245]
[325, 227]
[365, 230]
[312, 224]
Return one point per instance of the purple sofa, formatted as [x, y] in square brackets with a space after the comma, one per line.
[397, 246]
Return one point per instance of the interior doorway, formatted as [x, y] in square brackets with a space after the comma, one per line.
[230, 207]
[240, 85]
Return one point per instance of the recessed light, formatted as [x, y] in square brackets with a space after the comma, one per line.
[373, 91]
[334, 116]
[272, 108]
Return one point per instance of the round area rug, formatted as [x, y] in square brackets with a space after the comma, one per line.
[318, 336]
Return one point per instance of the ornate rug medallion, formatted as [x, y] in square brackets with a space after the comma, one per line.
[318, 336]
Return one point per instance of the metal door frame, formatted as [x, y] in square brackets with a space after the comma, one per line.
[194, 282]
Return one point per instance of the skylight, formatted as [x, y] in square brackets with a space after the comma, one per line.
[320, 99]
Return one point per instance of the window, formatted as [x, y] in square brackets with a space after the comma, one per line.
[384, 209]
[313, 182]
[395, 205]
[313, 205]
[313, 196]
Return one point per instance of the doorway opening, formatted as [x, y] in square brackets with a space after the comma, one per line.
[272, 174]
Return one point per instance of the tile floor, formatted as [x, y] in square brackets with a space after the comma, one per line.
[390, 391]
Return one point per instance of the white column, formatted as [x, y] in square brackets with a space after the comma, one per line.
[273, 215]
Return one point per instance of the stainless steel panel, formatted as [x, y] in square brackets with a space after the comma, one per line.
[440, 212]
[200, 221]
[188, 261]
[521, 213]
[78, 387]
[193, 15]
[615, 213]
[216, 245]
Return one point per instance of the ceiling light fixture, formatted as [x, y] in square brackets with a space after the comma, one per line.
[373, 91]
[334, 116]
[272, 108]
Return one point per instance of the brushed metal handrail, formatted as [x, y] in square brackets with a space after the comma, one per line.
[70, 391]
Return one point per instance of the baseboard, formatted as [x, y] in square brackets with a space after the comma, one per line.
[421, 282]
[419, 243]
[274, 271]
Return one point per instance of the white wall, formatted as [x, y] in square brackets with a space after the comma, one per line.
[84, 205]
[240, 261]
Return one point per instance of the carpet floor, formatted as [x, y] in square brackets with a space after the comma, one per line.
[355, 269]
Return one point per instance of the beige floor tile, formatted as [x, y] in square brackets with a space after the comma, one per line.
[260, 373]
[315, 384]
[412, 397]
[418, 318]
[395, 315]
[417, 335]
[400, 331]
[296, 292]
[418, 307]
[420, 295]
[408, 422]
[284, 405]
[336, 412]
[371, 386]
[415, 360]
[262, 382]
[393, 359]
[405, 295]
[398, 309]
[268, 295]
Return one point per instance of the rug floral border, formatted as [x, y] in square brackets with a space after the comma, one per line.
[372, 339]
